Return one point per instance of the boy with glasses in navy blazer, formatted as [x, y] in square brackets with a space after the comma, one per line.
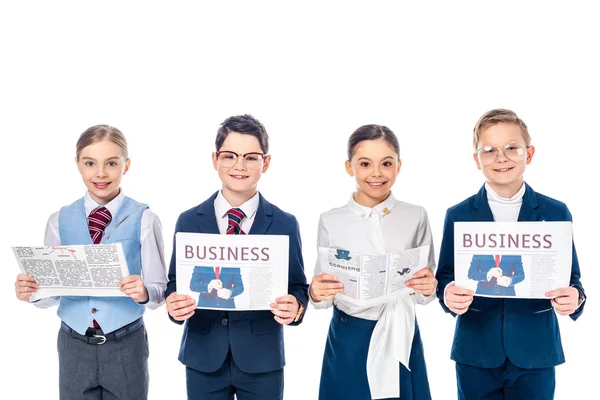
[505, 348]
[239, 353]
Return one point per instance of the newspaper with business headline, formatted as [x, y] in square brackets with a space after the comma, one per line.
[368, 277]
[513, 259]
[78, 270]
[232, 272]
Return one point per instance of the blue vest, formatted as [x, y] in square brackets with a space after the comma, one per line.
[110, 312]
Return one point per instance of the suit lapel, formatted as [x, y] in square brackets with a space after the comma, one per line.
[482, 211]
[529, 209]
[207, 221]
[263, 218]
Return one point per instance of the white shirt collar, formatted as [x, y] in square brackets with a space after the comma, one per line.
[113, 206]
[493, 196]
[249, 207]
[383, 208]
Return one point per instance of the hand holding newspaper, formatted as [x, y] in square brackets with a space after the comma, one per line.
[232, 272]
[512, 259]
[366, 277]
[81, 270]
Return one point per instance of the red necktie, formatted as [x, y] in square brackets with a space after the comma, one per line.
[98, 220]
[497, 260]
[236, 215]
[97, 223]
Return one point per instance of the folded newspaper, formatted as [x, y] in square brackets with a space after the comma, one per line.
[368, 277]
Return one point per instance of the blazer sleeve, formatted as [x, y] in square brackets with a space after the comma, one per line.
[297, 285]
[199, 282]
[237, 283]
[575, 273]
[518, 273]
[478, 269]
[445, 271]
[172, 283]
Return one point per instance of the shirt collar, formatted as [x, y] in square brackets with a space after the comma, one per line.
[113, 206]
[249, 207]
[383, 208]
[493, 196]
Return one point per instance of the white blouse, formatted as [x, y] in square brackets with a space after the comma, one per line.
[388, 227]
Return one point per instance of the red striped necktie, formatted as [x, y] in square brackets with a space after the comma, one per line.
[236, 215]
[98, 220]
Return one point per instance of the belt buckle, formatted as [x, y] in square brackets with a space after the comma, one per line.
[102, 337]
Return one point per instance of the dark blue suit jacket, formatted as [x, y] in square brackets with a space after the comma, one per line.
[231, 279]
[254, 337]
[511, 266]
[524, 330]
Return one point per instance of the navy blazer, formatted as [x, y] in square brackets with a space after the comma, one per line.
[254, 337]
[231, 279]
[524, 330]
[511, 266]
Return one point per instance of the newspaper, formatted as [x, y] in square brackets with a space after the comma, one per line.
[513, 259]
[81, 270]
[368, 277]
[232, 272]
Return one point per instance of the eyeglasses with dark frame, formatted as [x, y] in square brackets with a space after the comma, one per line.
[252, 160]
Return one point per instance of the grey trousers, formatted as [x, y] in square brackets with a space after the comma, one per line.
[117, 369]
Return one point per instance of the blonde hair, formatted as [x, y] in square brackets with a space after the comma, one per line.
[498, 116]
[97, 133]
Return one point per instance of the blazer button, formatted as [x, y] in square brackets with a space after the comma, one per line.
[94, 311]
[344, 319]
[224, 322]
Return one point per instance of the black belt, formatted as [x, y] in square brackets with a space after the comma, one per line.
[96, 336]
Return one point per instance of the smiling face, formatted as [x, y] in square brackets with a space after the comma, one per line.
[240, 181]
[504, 174]
[102, 165]
[374, 166]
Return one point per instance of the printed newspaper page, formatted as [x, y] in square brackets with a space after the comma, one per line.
[82, 270]
[232, 272]
[369, 278]
[513, 259]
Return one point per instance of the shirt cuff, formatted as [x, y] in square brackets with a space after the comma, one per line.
[156, 295]
[321, 305]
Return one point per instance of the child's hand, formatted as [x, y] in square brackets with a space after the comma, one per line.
[458, 299]
[565, 301]
[504, 281]
[423, 282]
[133, 286]
[180, 306]
[324, 287]
[285, 309]
[25, 286]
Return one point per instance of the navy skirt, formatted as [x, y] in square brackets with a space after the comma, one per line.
[344, 373]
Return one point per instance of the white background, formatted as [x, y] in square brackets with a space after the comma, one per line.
[168, 73]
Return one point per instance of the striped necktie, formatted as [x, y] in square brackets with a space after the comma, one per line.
[236, 215]
[98, 220]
